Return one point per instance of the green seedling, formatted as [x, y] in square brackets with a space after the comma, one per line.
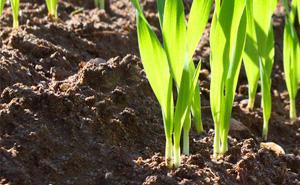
[198, 17]
[227, 40]
[170, 61]
[259, 54]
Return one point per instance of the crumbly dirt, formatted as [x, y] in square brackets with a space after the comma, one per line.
[76, 107]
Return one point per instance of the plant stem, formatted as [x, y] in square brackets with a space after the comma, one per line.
[293, 114]
[224, 146]
[186, 132]
[217, 141]
[251, 101]
[265, 129]
[15, 11]
[168, 153]
[186, 142]
[15, 23]
[176, 154]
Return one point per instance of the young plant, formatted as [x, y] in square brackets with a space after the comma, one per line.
[100, 4]
[162, 64]
[228, 35]
[52, 7]
[259, 53]
[198, 17]
[291, 56]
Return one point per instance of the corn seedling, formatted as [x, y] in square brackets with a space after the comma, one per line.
[291, 55]
[259, 53]
[197, 21]
[173, 60]
[228, 35]
[100, 4]
[52, 7]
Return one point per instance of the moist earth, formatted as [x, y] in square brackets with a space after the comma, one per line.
[76, 107]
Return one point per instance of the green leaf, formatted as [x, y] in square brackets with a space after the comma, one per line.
[198, 18]
[174, 35]
[263, 16]
[290, 59]
[265, 42]
[49, 5]
[196, 105]
[227, 44]
[234, 70]
[160, 7]
[291, 56]
[216, 86]
[250, 56]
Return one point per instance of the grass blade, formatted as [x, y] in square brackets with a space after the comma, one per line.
[298, 55]
[198, 18]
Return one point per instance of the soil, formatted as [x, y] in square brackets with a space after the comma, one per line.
[77, 109]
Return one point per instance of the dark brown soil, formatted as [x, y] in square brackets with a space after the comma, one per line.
[76, 107]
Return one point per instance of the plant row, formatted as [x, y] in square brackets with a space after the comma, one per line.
[241, 32]
[52, 6]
